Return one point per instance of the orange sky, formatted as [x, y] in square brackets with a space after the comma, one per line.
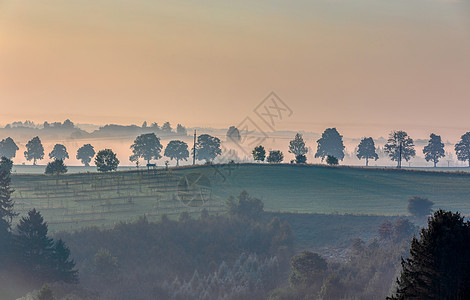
[364, 66]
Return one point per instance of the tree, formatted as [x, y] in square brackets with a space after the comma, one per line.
[106, 160]
[259, 153]
[6, 203]
[439, 262]
[85, 153]
[34, 150]
[181, 130]
[45, 293]
[245, 207]
[63, 267]
[56, 167]
[233, 134]
[177, 150]
[308, 268]
[275, 156]
[331, 160]
[400, 146]
[166, 127]
[462, 148]
[419, 207]
[8, 148]
[147, 146]
[434, 150]
[297, 147]
[105, 265]
[330, 143]
[32, 244]
[144, 125]
[366, 149]
[207, 147]
[59, 152]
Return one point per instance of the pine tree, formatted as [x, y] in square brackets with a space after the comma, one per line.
[6, 203]
[62, 265]
[439, 262]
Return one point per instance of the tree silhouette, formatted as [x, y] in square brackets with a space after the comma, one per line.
[166, 127]
[59, 152]
[399, 146]
[6, 203]
[308, 268]
[207, 147]
[366, 149]
[297, 147]
[233, 134]
[106, 160]
[439, 262]
[177, 150]
[330, 143]
[147, 146]
[259, 153]
[462, 148]
[8, 148]
[181, 130]
[420, 207]
[56, 167]
[34, 150]
[63, 267]
[434, 150]
[275, 156]
[85, 153]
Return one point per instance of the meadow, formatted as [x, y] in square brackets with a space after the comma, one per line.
[83, 199]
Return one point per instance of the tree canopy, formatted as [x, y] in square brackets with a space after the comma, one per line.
[434, 150]
[8, 148]
[106, 160]
[177, 150]
[298, 148]
[207, 147]
[59, 152]
[147, 146]
[233, 134]
[85, 153]
[330, 143]
[366, 149]
[462, 148]
[275, 156]
[56, 167]
[34, 150]
[259, 153]
[400, 146]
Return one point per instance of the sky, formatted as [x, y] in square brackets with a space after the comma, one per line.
[363, 66]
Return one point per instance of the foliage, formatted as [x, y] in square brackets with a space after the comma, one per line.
[166, 127]
[181, 130]
[104, 264]
[297, 146]
[6, 165]
[233, 134]
[434, 150]
[402, 229]
[331, 160]
[307, 269]
[330, 143]
[8, 148]
[439, 262]
[34, 150]
[106, 160]
[45, 293]
[147, 146]
[259, 153]
[300, 159]
[420, 207]
[400, 146]
[56, 167]
[366, 149]
[275, 156]
[85, 153]
[177, 150]
[246, 206]
[59, 152]
[207, 147]
[6, 203]
[462, 148]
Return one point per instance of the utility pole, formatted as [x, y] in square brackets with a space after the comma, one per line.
[194, 148]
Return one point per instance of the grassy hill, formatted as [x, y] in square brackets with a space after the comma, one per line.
[94, 199]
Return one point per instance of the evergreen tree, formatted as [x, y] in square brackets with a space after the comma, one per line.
[259, 153]
[297, 147]
[366, 149]
[6, 203]
[63, 267]
[330, 143]
[400, 146]
[439, 262]
[33, 246]
[434, 150]
[462, 148]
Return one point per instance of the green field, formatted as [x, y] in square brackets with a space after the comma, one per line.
[84, 199]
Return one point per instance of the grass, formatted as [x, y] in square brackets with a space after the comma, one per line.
[84, 199]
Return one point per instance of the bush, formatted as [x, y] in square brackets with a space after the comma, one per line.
[56, 167]
[420, 207]
[331, 160]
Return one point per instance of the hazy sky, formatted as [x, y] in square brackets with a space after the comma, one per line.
[365, 66]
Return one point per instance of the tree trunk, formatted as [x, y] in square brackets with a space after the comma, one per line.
[435, 163]
[177, 162]
[367, 161]
[34, 161]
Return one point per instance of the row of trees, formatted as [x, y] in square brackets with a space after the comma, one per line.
[399, 147]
